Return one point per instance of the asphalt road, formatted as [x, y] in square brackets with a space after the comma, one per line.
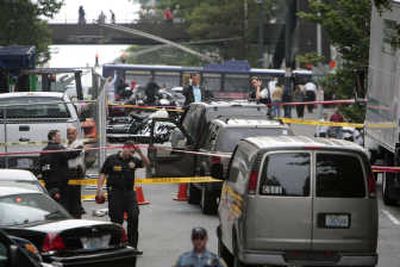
[165, 224]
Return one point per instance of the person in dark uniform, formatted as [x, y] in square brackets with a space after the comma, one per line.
[151, 91]
[258, 93]
[54, 167]
[119, 169]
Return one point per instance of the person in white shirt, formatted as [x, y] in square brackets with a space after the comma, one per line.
[311, 91]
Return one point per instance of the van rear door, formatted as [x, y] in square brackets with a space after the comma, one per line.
[279, 214]
[345, 217]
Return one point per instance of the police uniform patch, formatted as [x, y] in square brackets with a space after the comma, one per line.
[117, 168]
[132, 165]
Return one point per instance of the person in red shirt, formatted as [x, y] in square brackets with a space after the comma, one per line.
[336, 132]
[337, 116]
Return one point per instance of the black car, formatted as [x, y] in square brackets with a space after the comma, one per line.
[60, 238]
[16, 252]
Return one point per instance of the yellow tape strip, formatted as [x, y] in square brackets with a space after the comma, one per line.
[160, 180]
[322, 123]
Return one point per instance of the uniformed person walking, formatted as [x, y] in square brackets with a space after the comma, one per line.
[199, 256]
[119, 169]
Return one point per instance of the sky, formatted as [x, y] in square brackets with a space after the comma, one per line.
[125, 11]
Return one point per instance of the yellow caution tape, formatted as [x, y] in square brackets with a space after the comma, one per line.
[159, 180]
[39, 143]
[322, 123]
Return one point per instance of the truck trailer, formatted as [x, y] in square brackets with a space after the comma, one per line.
[382, 124]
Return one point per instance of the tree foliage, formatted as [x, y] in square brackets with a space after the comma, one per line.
[21, 23]
[214, 19]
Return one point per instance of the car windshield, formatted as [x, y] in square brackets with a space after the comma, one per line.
[227, 140]
[29, 208]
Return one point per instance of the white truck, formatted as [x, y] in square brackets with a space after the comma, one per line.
[25, 120]
[383, 110]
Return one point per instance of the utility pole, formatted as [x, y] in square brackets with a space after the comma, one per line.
[261, 15]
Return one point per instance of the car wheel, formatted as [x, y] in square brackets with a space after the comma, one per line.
[387, 179]
[194, 195]
[208, 202]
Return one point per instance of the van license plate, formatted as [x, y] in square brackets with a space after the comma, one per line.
[96, 242]
[337, 220]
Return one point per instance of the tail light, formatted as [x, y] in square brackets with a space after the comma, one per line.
[252, 187]
[124, 237]
[53, 242]
[371, 185]
[215, 160]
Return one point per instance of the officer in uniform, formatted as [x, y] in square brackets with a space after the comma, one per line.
[199, 256]
[119, 169]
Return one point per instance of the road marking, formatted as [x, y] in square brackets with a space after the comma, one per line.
[391, 217]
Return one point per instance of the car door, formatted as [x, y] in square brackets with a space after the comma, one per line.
[345, 217]
[172, 158]
[279, 214]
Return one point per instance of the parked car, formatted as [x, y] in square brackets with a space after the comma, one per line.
[26, 119]
[298, 200]
[17, 252]
[223, 136]
[20, 178]
[62, 240]
[191, 133]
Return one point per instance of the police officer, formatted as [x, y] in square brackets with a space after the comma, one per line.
[199, 256]
[76, 171]
[54, 167]
[119, 169]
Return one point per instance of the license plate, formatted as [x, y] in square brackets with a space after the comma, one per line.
[24, 163]
[96, 242]
[337, 220]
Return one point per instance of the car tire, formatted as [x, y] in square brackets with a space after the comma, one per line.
[387, 179]
[208, 202]
[194, 195]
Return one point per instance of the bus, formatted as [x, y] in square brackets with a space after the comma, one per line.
[229, 80]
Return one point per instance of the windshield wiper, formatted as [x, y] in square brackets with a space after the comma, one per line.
[57, 214]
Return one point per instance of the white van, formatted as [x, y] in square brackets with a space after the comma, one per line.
[25, 120]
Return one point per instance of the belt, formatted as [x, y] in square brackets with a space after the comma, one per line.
[110, 187]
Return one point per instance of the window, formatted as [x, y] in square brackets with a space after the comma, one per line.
[339, 176]
[238, 165]
[34, 108]
[286, 174]
[29, 208]
[3, 255]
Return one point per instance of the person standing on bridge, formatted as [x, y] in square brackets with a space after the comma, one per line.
[112, 20]
[81, 20]
[119, 170]
[199, 256]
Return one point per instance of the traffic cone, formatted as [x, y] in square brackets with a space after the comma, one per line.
[140, 196]
[182, 193]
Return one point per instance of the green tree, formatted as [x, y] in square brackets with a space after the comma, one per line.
[21, 23]
[347, 23]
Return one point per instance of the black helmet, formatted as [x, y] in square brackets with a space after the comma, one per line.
[199, 232]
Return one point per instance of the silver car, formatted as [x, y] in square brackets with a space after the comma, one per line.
[293, 200]
[21, 179]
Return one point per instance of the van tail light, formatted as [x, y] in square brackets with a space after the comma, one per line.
[124, 237]
[53, 242]
[252, 187]
[215, 160]
[371, 185]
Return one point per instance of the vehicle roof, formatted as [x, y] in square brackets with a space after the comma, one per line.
[247, 123]
[229, 103]
[32, 94]
[269, 142]
[17, 175]
[8, 190]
